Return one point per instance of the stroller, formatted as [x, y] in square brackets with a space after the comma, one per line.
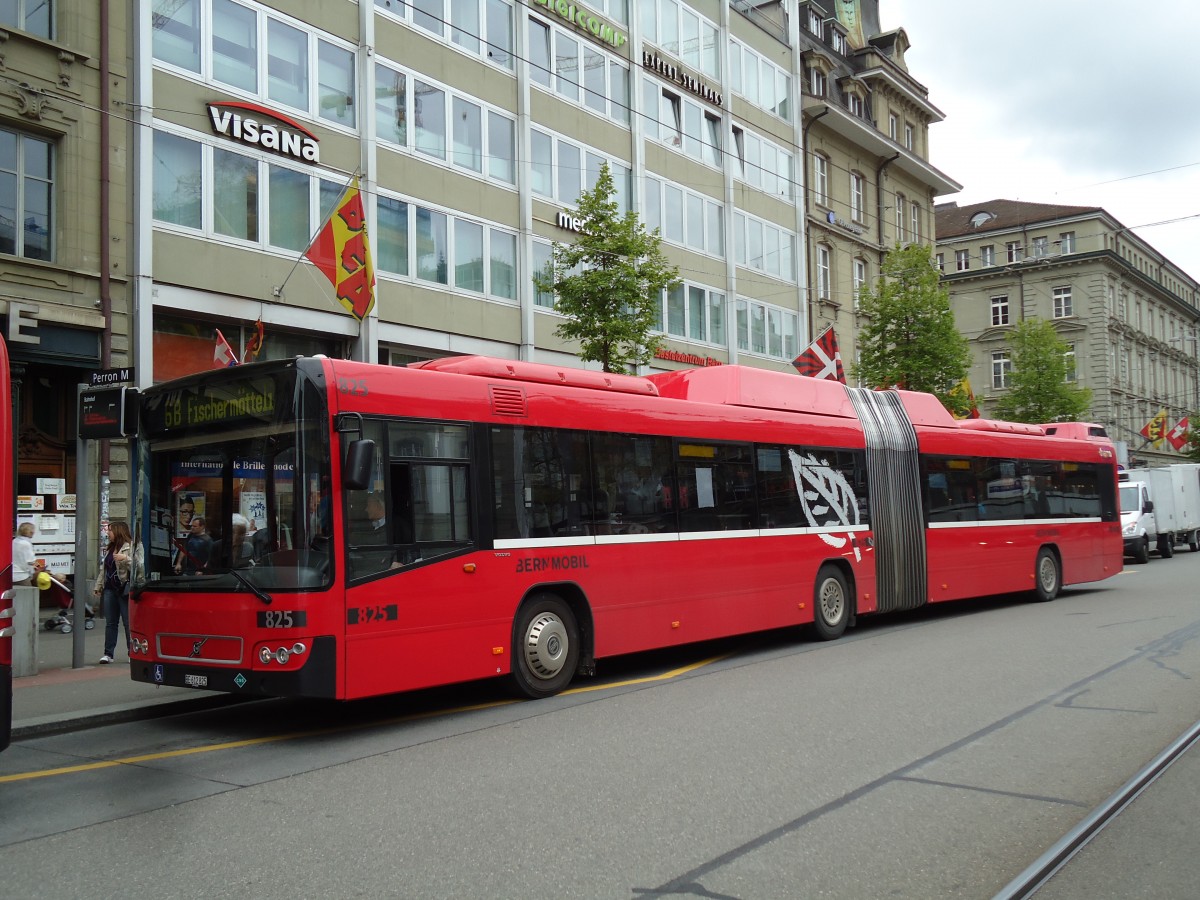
[63, 621]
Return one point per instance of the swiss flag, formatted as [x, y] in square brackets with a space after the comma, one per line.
[1177, 437]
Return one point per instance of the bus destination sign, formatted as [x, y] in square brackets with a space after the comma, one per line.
[226, 403]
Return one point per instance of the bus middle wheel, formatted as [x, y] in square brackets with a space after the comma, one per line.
[545, 647]
[831, 604]
[1047, 575]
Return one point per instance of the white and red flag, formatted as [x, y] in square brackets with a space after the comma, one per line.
[223, 354]
[1177, 437]
[822, 359]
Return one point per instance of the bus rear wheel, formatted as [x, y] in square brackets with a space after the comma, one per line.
[1047, 575]
[831, 604]
[545, 647]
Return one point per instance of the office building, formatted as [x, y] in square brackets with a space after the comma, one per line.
[1128, 314]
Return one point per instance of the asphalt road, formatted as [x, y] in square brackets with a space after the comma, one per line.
[928, 755]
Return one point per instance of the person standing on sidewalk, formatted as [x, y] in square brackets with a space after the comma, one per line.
[112, 584]
[25, 568]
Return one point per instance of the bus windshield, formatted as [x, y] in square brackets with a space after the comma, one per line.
[235, 482]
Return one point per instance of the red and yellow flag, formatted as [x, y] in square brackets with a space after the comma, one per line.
[1156, 429]
[342, 253]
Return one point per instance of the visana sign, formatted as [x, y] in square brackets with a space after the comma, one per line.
[243, 122]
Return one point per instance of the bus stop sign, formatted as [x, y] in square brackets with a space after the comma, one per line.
[108, 413]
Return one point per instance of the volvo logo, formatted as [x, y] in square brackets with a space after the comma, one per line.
[197, 647]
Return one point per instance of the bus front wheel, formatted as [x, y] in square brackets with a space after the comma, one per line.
[545, 647]
[831, 604]
[1047, 575]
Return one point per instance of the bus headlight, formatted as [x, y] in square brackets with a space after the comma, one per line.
[265, 655]
[282, 655]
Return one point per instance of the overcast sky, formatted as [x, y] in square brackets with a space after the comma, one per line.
[1080, 102]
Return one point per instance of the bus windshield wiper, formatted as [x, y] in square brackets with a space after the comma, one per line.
[258, 592]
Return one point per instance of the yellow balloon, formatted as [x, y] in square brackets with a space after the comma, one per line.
[43, 580]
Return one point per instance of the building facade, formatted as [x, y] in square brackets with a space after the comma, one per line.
[197, 147]
[865, 133]
[488, 119]
[64, 248]
[1129, 315]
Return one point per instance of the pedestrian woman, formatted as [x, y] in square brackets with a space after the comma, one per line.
[112, 584]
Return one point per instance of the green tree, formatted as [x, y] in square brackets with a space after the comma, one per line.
[1039, 390]
[608, 283]
[910, 340]
[1192, 450]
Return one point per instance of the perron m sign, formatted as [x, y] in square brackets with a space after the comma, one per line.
[259, 127]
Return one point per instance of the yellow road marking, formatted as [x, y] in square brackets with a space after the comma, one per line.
[317, 732]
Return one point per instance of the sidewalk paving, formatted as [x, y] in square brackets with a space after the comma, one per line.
[61, 698]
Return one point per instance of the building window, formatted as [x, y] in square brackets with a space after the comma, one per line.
[987, 256]
[1062, 302]
[235, 195]
[26, 195]
[854, 103]
[860, 278]
[900, 217]
[892, 126]
[693, 312]
[555, 155]
[463, 23]
[814, 23]
[820, 179]
[824, 273]
[766, 330]
[856, 197]
[757, 79]
[32, 16]
[557, 60]
[914, 231]
[838, 41]
[1066, 242]
[287, 64]
[941, 262]
[685, 217]
[962, 260]
[1041, 247]
[543, 265]
[1001, 369]
[762, 246]
[816, 82]
[763, 164]
[908, 135]
[234, 44]
[1014, 251]
[295, 67]
[1069, 365]
[176, 27]
[335, 84]
[1000, 310]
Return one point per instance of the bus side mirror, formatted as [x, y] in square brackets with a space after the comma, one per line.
[356, 473]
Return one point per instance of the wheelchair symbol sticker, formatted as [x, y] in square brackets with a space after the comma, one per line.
[158, 674]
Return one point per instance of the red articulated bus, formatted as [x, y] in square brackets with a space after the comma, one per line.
[371, 529]
[7, 496]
